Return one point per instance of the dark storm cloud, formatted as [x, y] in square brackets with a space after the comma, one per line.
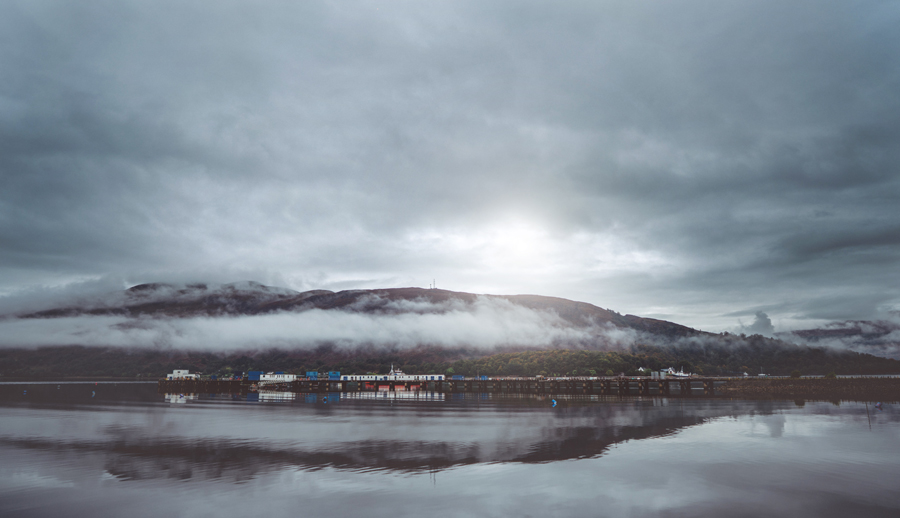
[689, 160]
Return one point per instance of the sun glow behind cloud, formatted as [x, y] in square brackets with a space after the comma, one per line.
[518, 246]
[528, 255]
[507, 248]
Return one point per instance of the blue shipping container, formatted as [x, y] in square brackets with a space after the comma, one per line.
[334, 375]
[312, 375]
[254, 375]
[458, 377]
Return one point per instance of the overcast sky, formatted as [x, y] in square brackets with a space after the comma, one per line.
[693, 161]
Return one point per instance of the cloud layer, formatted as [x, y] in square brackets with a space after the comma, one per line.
[694, 162]
[222, 324]
[486, 324]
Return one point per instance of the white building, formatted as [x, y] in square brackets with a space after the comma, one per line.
[278, 377]
[179, 374]
[394, 375]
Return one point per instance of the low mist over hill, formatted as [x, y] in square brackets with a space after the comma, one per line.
[251, 298]
[253, 316]
[879, 337]
[150, 328]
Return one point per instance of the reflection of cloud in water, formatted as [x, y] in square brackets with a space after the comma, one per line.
[460, 456]
[775, 423]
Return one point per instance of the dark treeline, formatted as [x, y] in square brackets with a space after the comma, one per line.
[696, 359]
[743, 354]
[80, 361]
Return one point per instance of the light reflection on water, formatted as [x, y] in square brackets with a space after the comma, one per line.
[117, 449]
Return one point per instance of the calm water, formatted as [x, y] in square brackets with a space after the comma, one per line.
[123, 450]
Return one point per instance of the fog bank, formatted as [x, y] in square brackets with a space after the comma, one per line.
[488, 323]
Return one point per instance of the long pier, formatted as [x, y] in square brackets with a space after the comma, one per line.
[595, 386]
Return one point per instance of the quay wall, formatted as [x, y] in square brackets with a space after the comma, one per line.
[607, 386]
[859, 389]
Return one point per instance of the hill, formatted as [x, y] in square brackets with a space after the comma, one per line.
[251, 298]
[878, 337]
[565, 337]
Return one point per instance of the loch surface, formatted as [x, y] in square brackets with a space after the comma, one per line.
[121, 449]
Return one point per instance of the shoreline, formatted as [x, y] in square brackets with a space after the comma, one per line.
[823, 389]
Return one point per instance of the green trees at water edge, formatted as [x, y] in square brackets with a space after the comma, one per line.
[750, 356]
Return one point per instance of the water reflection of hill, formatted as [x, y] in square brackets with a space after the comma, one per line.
[238, 440]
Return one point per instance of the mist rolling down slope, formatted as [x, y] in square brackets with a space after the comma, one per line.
[250, 315]
[150, 328]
